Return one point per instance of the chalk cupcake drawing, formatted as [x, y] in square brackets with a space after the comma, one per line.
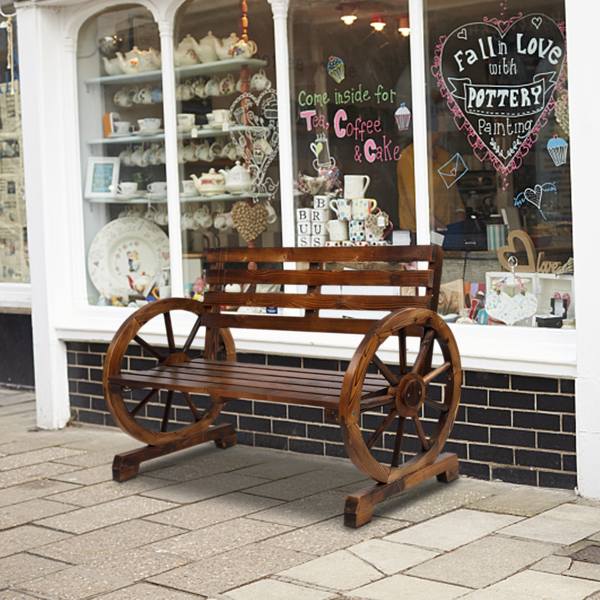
[402, 116]
[557, 149]
[336, 68]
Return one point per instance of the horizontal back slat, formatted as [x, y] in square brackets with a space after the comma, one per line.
[351, 254]
[319, 277]
[315, 301]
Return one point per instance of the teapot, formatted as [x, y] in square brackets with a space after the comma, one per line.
[150, 60]
[130, 63]
[206, 48]
[209, 183]
[243, 49]
[185, 53]
[142, 284]
[224, 47]
[112, 66]
[238, 179]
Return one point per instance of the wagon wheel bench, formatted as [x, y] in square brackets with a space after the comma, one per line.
[391, 394]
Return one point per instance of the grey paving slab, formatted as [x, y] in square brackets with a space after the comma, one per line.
[89, 476]
[33, 472]
[583, 570]
[16, 398]
[565, 524]
[89, 459]
[218, 538]
[40, 488]
[552, 564]
[23, 407]
[73, 584]
[24, 459]
[101, 515]
[208, 487]
[217, 574]
[453, 529]
[21, 567]
[214, 510]
[401, 586]
[390, 557]
[13, 595]
[147, 591]
[534, 585]
[329, 536]
[26, 537]
[483, 562]
[32, 510]
[271, 589]
[339, 571]
[524, 501]
[108, 541]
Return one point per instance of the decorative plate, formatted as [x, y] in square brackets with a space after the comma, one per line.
[124, 249]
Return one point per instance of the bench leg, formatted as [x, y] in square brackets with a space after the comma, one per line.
[127, 464]
[359, 506]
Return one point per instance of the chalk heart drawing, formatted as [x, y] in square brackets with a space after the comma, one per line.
[499, 80]
[534, 195]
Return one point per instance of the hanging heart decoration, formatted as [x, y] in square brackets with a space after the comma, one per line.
[250, 221]
[499, 79]
[510, 310]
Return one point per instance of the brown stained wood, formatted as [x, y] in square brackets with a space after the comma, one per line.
[143, 402]
[170, 336]
[190, 403]
[192, 335]
[359, 506]
[320, 277]
[392, 379]
[438, 371]
[150, 349]
[398, 441]
[382, 427]
[315, 301]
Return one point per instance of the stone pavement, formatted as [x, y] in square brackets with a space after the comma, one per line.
[255, 524]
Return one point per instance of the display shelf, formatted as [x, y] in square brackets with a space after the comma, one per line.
[140, 139]
[191, 71]
[143, 200]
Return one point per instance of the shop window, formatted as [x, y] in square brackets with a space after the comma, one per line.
[499, 165]
[351, 105]
[227, 131]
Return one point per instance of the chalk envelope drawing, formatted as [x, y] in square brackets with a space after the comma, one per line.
[453, 170]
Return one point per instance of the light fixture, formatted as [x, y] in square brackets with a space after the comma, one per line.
[403, 25]
[377, 22]
[348, 10]
[348, 18]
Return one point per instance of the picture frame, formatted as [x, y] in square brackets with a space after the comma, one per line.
[102, 177]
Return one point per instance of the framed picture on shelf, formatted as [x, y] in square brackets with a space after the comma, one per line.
[102, 177]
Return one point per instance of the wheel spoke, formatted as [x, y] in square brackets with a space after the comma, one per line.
[190, 403]
[431, 376]
[192, 335]
[435, 404]
[402, 350]
[392, 379]
[146, 346]
[142, 403]
[382, 427]
[165, 419]
[421, 434]
[398, 441]
[424, 350]
[170, 337]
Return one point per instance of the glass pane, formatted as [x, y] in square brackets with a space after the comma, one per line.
[227, 130]
[122, 155]
[499, 161]
[351, 99]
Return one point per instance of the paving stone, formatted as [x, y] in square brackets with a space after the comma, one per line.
[26, 512]
[452, 530]
[146, 591]
[282, 467]
[271, 589]
[201, 489]
[401, 586]
[552, 564]
[73, 584]
[432, 498]
[86, 476]
[217, 574]
[94, 517]
[18, 568]
[534, 585]
[389, 557]
[339, 571]
[26, 537]
[109, 490]
[331, 535]
[34, 489]
[26, 459]
[11, 595]
[89, 459]
[584, 570]
[218, 538]
[483, 562]
[214, 510]
[108, 541]
[33, 472]
[565, 524]
[29, 441]
[306, 484]
[524, 501]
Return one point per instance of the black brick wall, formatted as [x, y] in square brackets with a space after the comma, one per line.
[510, 427]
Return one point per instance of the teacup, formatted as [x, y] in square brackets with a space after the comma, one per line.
[223, 221]
[342, 207]
[186, 120]
[259, 82]
[189, 153]
[188, 222]
[203, 152]
[161, 217]
[271, 212]
[150, 213]
[122, 98]
[262, 147]
[127, 188]
[122, 126]
[203, 218]
[144, 96]
[216, 149]
[239, 84]
[198, 87]
[125, 157]
[338, 230]
[227, 85]
[137, 158]
[130, 212]
[148, 156]
[229, 151]
[189, 189]
[157, 156]
[157, 95]
[149, 124]
[213, 87]
[361, 207]
[185, 91]
[157, 187]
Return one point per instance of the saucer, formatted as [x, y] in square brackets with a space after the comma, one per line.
[218, 125]
[155, 196]
[188, 194]
[185, 128]
[116, 134]
[149, 131]
[125, 197]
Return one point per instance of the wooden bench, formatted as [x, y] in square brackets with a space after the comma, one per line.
[392, 395]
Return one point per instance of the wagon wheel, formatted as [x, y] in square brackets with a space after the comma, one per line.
[129, 417]
[407, 392]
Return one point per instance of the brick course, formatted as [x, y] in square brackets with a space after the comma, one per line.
[514, 428]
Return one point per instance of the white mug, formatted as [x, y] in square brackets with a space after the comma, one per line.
[357, 231]
[361, 207]
[333, 243]
[321, 202]
[355, 186]
[302, 214]
[122, 126]
[342, 207]
[127, 188]
[338, 230]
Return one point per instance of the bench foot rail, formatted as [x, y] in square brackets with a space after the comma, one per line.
[126, 465]
[359, 506]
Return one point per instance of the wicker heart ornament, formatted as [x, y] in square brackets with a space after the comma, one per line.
[250, 221]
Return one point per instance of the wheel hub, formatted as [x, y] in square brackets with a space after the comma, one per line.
[410, 395]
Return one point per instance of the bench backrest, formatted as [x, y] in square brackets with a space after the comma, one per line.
[315, 268]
